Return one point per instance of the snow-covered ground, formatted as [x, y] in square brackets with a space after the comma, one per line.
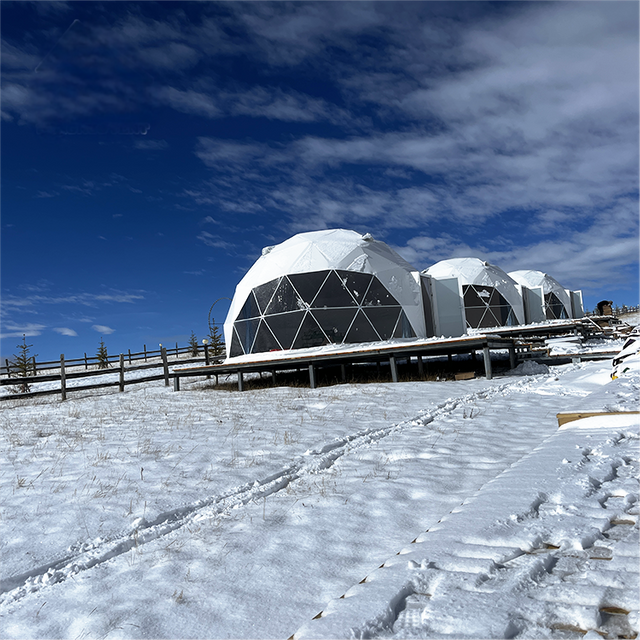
[219, 514]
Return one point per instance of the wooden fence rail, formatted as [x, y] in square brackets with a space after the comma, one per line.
[65, 375]
[174, 352]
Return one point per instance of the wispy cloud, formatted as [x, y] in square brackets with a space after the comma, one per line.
[101, 328]
[65, 331]
[18, 330]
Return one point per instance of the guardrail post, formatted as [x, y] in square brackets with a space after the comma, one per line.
[121, 383]
[165, 366]
[63, 379]
[176, 382]
[394, 368]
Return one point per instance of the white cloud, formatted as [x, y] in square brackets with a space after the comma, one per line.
[18, 330]
[100, 328]
[65, 331]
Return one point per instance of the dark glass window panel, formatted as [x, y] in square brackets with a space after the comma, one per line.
[488, 320]
[511, 321]
[404, 328]
[285, 299]
[264, 292]
[333, 294]
[246, 332]
[471, 297]
[474, 316]
[485, 294]
[236, 347]
[378, 296]
[335, 322]
[285, 326]
[310, 334]
[308, 284]
[250, 308]
[356, 283]
[361, 330]
[265, 340]
[496, 298]
[384, 319]
[504, 313]
[555, 308]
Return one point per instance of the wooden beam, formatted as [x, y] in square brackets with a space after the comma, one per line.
[571, 416]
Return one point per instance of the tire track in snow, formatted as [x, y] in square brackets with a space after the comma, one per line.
[90, 554]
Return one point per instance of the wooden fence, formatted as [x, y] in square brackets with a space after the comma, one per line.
[9, 369]
[119, 367]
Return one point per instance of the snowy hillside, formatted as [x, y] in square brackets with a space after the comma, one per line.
[219, 514]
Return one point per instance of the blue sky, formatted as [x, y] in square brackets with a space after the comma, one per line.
[150, 150]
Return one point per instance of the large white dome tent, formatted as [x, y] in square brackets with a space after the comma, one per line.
[333, 286]
[489, 296]
[557, 302]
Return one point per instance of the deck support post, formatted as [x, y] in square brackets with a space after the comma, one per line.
[273, 377]
[240, 381]
[487, 362]
[394, 368]
[420, 367]
[312, 376]
[512, 356]
[343, 372]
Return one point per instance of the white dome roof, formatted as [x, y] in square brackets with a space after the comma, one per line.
[532, 278]
[339, 249]
[479, 272]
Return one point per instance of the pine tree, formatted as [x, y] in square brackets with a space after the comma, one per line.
[193, 343]
[23, 363]
[216, 343]
[103, 357]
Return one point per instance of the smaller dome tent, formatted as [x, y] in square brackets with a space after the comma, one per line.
[557, 303]
[324, 287]
[490, 297]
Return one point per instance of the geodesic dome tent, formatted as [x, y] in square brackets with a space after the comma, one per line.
[324, 287]
[490, 297]
[557, 303]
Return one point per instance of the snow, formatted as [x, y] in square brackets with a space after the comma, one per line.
[218, 514]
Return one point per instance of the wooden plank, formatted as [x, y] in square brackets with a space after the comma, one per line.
[571, 416]
[467, 375]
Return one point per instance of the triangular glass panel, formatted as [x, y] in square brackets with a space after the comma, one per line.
[334, 322]
[488, 320]
[361, 330]
[333, 294]
[246, 333]
[310, 334]
[308, 284]
[377, 296]
[471, 298]
[285, 299]
[484, 293]
[265, 341]
[474, 316]
[264, 292]
[383, 319]
[236, 347]
[511, 320]
[250, 308]
[285, 326]
[496, 298]
[404, 328]
[356, 283]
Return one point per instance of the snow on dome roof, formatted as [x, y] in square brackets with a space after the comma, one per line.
[480, 272]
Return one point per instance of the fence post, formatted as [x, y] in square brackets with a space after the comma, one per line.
[35, 369]
[6, 362]
[63, 379]
[121, 385]
[145, 352]
[176, 382]
[129, 356]
[86, 364]
[176, 349]
[206, 358]
[165, 366]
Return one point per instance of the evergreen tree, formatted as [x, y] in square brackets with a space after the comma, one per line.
[103, 357]
[193, 343]
[216, 343]
[23, 363]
